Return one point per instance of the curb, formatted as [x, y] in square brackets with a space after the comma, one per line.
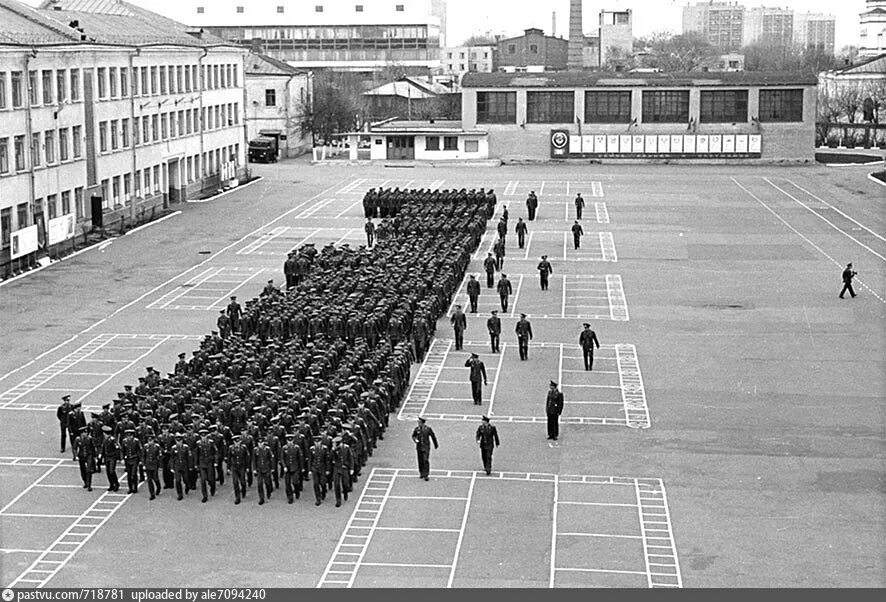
[226, 192]
[877, 180]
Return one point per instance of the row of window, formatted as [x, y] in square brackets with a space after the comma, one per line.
[46, 85]
[44, 147]
[318, 8]
[57, 205]
[114, 134]
[354, 32]
[114, 82]
[659, 106]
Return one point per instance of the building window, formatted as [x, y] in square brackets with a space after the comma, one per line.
[496, 107]
[472, 146]
[550, 107]
[136, 131]
[358, 8]
[450, 143]
[63, 154]
[533, 49]
[724, 106]
[239, 9]
[270, 98]
[157, 178]
[124, 133]
[21, 214]
[143, 74]
[19, 149]
[162, 80]
[76, 135]
[318, 8]
[52, 206]
[146, 131]
[66, 202]
[665, 106]
[35, 150]
[607, 107]
[102, 75]
[47, 87]
[201, 10]
[113, 134]
[6, 225]
[155, 127]
[16, 77]
[164, 126]
[147, 181]
[124, 82]
[75, 85]
[49, 144]
[2, 90]
[512, 49]
[4, 155]
[781, 105]
[127, 186]
[32, 88]
[103, 137]
[280, 9]
[432, 143]
[61, 81]
[116, 190]
[153, 80]
[112, 79]
[399, 8]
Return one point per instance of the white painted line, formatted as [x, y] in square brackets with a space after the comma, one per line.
[563, 305]
[19, 551]
[596, 189]
[600, 535]
[798, 233]
[349, 208]
[408, 565]
[600, 504]
[554, 532]
[432, 530]
[602, 213]
[643, 534]
[32, 515]
[227, 295]
[461, 532]
[501, 357]
[583, 570]
[126, 367]
[425, 497]
[541, 189]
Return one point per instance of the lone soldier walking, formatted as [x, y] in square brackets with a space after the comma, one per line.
[848, 275]
[459, 324]
[588, 339]
[499, 250]
[422, 436]
[473, 292]
[545, 269]
[62, 413]
[493, 325]
[504, 291]
[579, 206]
[553, 409]
[487, 438]
[521, 229]
[531, 205]
[524, 335]
[370, 232]
[478, 375]
[489, 266]
[577, 233]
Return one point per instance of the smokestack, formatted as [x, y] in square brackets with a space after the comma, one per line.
[554, 24]
[576, 35]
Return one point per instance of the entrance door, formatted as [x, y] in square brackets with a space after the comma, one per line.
[174, 180]
[401, 147]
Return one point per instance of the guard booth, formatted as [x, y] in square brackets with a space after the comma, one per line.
[416, 141]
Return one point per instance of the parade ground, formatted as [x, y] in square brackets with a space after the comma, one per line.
[730, 434]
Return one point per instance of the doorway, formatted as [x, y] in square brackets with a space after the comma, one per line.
[401, 147]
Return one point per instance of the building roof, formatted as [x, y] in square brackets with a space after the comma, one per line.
[408, 87]
[413, 127]
[118, 22]
[584, 79]
[875, 64]
[22, 24]
[262, 64]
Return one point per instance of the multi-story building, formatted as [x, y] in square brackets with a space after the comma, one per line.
[107, 110]
[358, 35]
[812, 30]
[278, 98]
[721, 23]
[465, 59]
[770, 26]
[616, 34]
[533, 51]
[872, 32]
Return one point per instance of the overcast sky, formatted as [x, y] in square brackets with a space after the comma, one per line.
[511, 17]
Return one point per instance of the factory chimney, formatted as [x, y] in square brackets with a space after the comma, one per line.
[576, 36]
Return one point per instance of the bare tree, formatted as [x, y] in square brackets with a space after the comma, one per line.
[678, 53]
[616, 58]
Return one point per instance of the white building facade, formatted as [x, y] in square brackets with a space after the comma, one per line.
[872, 31]
[278, 96]
[466, 59]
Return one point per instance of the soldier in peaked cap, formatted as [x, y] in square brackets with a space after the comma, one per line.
[181, 461]
[553, 409]
[477, 375]
[588, 340]
[490, 265]
[238, 463]
[62, 413]
[487, 439]
[205, 461]
[110, 453]
[577, 233]
[493, 326]
[545, 269]
[524, 335]
[504, 291]
[86, 455]
[76, 421]
[234, 313]
[473, 292]
[152, 456]
[422, 436]
[264, 460]
[459, 324]
[320, 468]
[342, 464]
[181, 366]
[293, 465]
[132, 450]
[521, 229]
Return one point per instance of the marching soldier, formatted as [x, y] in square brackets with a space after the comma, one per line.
[524, 335]
[544, 271]
[166, 441]
[319, 469]
[234, 313]
[848, 275]
[531, 205]
[588, 339]
[493, 325]
[498, 250]
[86, 453]
[76, 421]
[238, 461]
[264, 460]
[478, 374]
[579, 206]
[110, 456]
[293, 466]
[504, 291]
[553, 409]
[151, 457]
[459, 324]
[473, 292]
[132, 451]
[487, 439]
[342, 460]
[223, 323]
[521, 230]
[422, 436]
[205, 461]
[489, 264]
[181, 460]
[62, 413]
[577, 233]
[370, 233]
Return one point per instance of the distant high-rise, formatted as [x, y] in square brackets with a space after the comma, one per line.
[872, 35]
[770, 26]
[814, 31]
[721, 23]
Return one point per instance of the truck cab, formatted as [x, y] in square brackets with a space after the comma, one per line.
[263, 150]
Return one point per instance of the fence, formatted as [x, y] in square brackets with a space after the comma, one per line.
[850, 135]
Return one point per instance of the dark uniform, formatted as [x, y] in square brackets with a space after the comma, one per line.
[152, 455]
[422, 436]
[588, 339]
[487, 438]
[521, 230]
[504, 291]
[848, 275]
[370, 233]
[553, 409]
[579, 206]
[206, 459]
[238, 463]
[62, 413]
[86, 453]
[132, 451]
[493, 325]
[478, 375]
[577, 233]
[544, 270]
[531, 205]
[234, 314]
[342, 460]
[459, 324]
[264, 461]
[180, 459]
[473, 294]
[524, 335]
[319, 456]
[110, 456]
[489, 264]
[293, 465]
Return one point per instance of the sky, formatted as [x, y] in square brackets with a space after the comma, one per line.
[511, 17]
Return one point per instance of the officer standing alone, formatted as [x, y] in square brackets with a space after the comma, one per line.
[487, 438]
[422, 436]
